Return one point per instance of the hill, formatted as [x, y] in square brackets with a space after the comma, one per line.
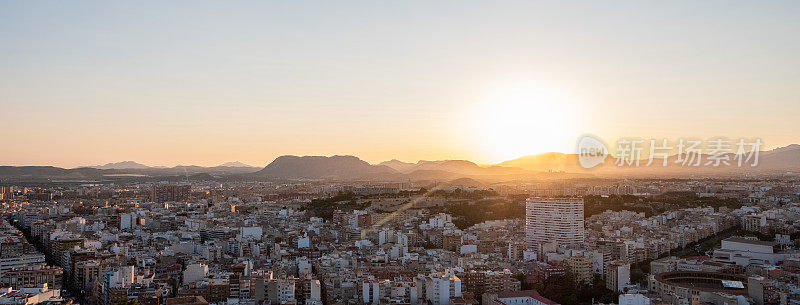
[777, 161]
[121, 165]
[234, 164]
[321, 167]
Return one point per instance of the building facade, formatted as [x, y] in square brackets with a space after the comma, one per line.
[555, 220]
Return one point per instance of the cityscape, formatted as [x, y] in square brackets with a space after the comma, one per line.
[221, 239]
[405, 153]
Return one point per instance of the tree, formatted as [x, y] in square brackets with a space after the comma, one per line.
[128, 301]
[565, 290]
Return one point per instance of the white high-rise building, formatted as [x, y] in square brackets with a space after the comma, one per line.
[553, 220]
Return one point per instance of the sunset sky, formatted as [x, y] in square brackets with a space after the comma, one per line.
[174, 82]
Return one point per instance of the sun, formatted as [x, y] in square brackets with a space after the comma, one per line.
[524, 119]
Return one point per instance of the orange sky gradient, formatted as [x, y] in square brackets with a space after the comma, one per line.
[206, 83]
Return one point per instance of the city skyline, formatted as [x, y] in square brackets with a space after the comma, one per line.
[204, 84]
[399, 152]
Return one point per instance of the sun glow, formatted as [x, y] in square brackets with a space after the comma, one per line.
[525, 119]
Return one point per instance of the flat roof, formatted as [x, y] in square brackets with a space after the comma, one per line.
[752, 242]
[517, 294]
[732, 284]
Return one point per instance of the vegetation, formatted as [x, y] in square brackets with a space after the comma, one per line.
[565, 290]
[400, 194]
[594, 204]
[127, 302]
[454, 194]
[467, 214]
[467, 208]
[704, 245]
[343, 200]
[770, 235]
[462, 194]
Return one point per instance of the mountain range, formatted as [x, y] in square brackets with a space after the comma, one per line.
[136, 165]
[778, 161]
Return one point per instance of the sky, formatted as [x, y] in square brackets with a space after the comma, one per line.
[203, 83]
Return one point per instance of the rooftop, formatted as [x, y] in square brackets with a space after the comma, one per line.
[752, 242]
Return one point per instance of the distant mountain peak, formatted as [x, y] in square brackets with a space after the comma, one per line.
[398, 165]
[235, 164]
[122, 165]
[338, 166]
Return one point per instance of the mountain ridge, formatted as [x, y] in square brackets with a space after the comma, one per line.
[346, 167]
[778, 160]
[121, 165]
[235, 164]
[336, 167]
